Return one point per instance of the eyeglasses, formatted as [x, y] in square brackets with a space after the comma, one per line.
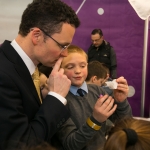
[60, 45]
[96, 40]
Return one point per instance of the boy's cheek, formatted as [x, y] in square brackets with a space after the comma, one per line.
[69, 74]
[85, 73]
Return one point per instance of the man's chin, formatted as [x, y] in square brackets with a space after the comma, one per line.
[96, 45]
[53, 64]
[49, 64]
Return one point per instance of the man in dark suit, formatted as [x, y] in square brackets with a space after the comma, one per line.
[45, 32]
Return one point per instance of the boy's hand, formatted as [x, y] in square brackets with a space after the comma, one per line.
[104, 108]
[57, 81]
[120, 94]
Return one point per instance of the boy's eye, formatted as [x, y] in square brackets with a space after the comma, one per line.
[83, 66]
[69, 67]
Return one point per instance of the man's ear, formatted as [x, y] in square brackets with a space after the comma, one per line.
[36, 35]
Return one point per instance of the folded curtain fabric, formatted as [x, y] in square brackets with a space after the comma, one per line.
[142, 8]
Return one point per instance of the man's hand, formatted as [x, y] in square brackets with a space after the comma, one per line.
[120, 94]
[57, 81]
[104, 108]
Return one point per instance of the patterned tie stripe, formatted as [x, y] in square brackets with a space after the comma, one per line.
[36, 80]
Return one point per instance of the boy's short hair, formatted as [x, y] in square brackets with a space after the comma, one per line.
[95, 68]
[106, 68]
[76, 49]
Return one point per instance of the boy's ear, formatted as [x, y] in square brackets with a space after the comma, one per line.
[108, 75]
[94, 79]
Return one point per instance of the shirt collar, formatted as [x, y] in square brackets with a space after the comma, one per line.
[73, 89]
[30, 65]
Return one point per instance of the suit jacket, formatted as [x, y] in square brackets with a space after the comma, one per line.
[22, 117]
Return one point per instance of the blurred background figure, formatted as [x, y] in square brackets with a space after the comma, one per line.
[45, 70]
[98, 74]
[44, 75]
[103, 52]
[43, 85]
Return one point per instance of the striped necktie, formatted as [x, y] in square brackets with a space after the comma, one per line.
[36, 80]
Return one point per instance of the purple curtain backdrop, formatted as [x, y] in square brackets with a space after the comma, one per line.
[123, 29]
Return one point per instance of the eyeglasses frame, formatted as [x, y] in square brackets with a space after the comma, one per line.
[96, 40]
[62, 46]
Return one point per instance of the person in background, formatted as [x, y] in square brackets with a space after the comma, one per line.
[44, 69]
[97, 74]
[44, 73]
[129, 134]
[43, 85]
[89, 105]
[103, 52]
[108, 78]
[44, 36]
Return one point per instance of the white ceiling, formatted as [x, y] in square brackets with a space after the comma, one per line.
[10, 16]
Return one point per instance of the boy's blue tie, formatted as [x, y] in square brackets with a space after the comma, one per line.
[80, 92]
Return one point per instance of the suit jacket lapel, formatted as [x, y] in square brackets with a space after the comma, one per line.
[20, 68]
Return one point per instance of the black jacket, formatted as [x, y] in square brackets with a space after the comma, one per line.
[22, 117]
[104, 54]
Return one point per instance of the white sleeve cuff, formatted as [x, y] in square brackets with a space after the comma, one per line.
[59, 97]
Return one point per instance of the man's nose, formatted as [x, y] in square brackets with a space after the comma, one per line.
[64, 53]
[94, 42]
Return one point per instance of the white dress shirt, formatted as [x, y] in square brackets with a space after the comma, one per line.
[31, 67]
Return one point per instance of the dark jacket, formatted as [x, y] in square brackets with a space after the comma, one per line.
[104, 54]
[22, 117]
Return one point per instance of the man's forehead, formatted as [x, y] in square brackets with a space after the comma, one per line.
[95, 36]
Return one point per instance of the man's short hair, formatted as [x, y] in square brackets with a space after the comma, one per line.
[48, 15]
[97, 31]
